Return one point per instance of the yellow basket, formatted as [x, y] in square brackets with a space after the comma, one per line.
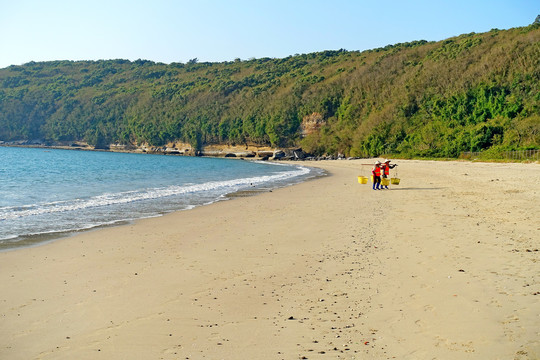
[362, 180]
[385, 182]
[394, 181]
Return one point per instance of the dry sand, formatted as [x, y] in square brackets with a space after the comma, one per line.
[443, 266]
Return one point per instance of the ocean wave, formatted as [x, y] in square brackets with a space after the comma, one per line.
[219, 188]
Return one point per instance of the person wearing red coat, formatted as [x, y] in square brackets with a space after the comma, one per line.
[386, 170]
[376, 172]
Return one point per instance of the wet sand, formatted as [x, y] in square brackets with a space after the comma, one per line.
[443, 266]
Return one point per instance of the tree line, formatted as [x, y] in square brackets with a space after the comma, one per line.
[472, 92]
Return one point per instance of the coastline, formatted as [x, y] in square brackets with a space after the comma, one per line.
[178, 149]
[441, 266]
[125, 188]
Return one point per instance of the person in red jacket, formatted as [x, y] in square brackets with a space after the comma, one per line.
[376, 172]
[386, 170]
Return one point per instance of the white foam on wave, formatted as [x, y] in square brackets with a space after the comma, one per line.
[219, 187]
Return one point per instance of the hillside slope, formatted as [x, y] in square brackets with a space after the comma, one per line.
[468, 93]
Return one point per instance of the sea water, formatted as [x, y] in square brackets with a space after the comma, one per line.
[48, 193]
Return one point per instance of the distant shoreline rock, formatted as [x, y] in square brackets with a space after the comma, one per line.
[181, 149]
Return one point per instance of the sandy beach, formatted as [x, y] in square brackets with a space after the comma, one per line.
[443, 266]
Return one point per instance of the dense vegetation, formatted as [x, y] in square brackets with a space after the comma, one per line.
[468, 93]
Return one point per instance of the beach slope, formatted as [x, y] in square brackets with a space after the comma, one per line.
[443, 266]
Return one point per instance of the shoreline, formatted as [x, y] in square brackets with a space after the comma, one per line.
[262, 153]
[254, 152]
[38, 239]
[442, 266]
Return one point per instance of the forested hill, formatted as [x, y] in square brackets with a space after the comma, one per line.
[468, 93]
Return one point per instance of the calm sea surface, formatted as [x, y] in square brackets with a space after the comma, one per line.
[45, 194]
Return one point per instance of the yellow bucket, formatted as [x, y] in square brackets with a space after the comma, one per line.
[362, 180]
[394, 181]
[385, 182]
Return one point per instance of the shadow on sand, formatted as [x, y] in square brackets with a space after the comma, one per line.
[415, 188]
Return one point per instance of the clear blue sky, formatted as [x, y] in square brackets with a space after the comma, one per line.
[211, 30]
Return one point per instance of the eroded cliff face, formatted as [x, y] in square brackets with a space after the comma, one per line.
[214, 150]
[312, 123]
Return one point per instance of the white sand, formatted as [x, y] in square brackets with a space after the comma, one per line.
[443, 266]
